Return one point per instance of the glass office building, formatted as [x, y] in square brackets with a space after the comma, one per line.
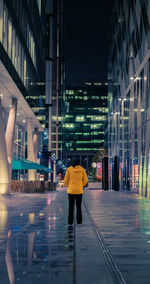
[84, 122]
[22, 66]
[129, 99]
[22, 37]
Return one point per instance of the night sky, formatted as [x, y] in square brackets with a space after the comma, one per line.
[87, 25]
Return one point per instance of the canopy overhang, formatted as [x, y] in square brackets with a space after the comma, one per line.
[8, 91]
[23, 164]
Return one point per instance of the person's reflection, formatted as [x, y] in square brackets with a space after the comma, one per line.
[70, 237]
[9, 262]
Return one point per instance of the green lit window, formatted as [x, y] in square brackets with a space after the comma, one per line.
[69, 125]
[98, 118]
[81, 142]
[80, 118]
[42, 117]
[85, 98]
[67, 116]
[95, 126]
[71, 92]
[54, 118]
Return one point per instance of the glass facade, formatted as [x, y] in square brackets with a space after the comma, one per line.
[84, 120]
[22, 49]
[128, 93]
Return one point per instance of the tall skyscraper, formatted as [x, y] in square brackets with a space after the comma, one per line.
[129, 107]
[84, 123]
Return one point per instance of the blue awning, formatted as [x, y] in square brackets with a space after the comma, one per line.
[19, 163]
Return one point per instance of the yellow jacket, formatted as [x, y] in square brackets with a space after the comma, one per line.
[75, 179]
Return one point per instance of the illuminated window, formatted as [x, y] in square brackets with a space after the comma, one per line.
[95, 126]
[101, 109]
[71, 92]
[9, 38]
[104, 97]
[95, 97]
[67, 116]
[39, 6]
[80, 118]
[98, 118]
[97, 141]
[37, 108]
[69, 125]
[81, 142]
[54, 118]
[85, 98]
[25, 71]
[42, 117]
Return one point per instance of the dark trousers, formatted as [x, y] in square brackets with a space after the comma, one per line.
[72, 198]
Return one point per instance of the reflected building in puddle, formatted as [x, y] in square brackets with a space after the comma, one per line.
[9, 262]
[3, 216]
[129, 99]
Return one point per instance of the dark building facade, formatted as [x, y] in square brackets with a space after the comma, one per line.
[84, 122]
[129, 103]
[54, 76]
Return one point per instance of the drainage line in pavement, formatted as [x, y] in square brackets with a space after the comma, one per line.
[74, 258]
[112, 265]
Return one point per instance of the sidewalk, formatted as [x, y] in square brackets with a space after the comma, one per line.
[36, 245]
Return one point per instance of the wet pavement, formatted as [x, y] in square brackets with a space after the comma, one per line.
[37, 246]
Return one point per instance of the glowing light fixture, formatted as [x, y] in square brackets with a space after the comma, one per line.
[93, 165]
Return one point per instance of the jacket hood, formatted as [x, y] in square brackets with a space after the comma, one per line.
[76, 168]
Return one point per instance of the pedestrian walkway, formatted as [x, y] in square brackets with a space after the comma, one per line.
[111, 246]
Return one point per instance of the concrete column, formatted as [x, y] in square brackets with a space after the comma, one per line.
[4, 178]
[30, 150]
[35, 143]
[9, 135]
